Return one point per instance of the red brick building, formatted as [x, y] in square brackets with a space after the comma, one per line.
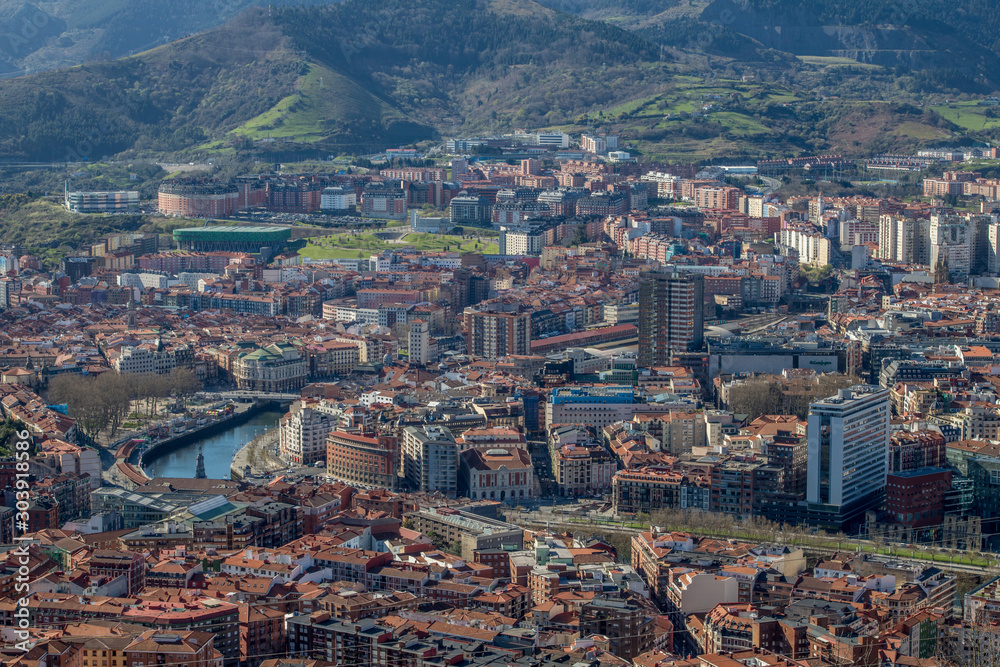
[915, 498]
[113, 564]
[43, 513]
[360, 460]
[301, 197]
[717, 197]
[198, 198]
[911, 450]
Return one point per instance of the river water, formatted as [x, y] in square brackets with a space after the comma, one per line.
[218, 450]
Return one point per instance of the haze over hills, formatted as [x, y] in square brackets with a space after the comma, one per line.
[335, 77]
[345, 77]
[953, 44]
[49, 34]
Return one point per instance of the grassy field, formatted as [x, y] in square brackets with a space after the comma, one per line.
[320, 94]
[345, 246]
[921, 131]
[671, 111]
[834, 61]
[968, 115]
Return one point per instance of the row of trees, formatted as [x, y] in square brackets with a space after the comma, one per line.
[106, 401]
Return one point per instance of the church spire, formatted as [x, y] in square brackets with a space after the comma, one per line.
[199, 472]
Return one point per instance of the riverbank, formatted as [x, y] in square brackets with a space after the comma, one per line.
[126, 466]
[152, 451]
[255, 457]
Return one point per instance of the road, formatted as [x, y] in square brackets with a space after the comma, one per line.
[771, 185]
[243, 394]
[812, 543]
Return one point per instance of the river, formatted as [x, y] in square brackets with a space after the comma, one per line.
[218, 450]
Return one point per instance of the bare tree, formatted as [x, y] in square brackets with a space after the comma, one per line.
[85, 404]
[116, 403]
[183, 382]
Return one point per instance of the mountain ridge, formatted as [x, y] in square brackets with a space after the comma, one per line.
[360, 75]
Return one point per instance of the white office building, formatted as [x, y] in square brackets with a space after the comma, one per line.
[430, 459]
[951, 244]
[812, 248]
[419, 343]
[338, 199]
[848, 445]
[553, 139]
[903, 240]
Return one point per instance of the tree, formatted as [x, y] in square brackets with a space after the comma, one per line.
[183, 382]
[85, 403]
[8, 436]
[773, 395]
[116, 401]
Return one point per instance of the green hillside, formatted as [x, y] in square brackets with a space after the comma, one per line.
[337, 77]
[941, 44]
[166, 99]
[362, 75]
[48, 34]
[44, 227]
[325, 105]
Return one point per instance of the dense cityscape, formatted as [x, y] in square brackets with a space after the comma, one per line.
[642, 414]
[499, 333]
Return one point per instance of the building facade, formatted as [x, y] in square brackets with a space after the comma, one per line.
[430, 459]
[361, 460]
[671, 317]
[279, 367]
[302, 434]
[848, 447]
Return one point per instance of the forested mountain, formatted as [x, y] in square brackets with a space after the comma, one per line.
[167, 99]
[337, 77]
[48, 34]
[681, 78]
[946, 43]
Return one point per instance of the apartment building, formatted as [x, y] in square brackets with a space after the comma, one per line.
[430, 459]
[362, 460]
[671, 316]
[904, 240]
[302, 433]
[493, 333]
[812, 248]
[718, 197]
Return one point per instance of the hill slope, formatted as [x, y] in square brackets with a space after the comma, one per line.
[952, 44]
[361, 75]
[48, 34]
[339, 77]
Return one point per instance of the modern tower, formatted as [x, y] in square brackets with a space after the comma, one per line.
[848, 436]
[671, 316]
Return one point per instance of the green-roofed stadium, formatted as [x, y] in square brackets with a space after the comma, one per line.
[232, 238]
